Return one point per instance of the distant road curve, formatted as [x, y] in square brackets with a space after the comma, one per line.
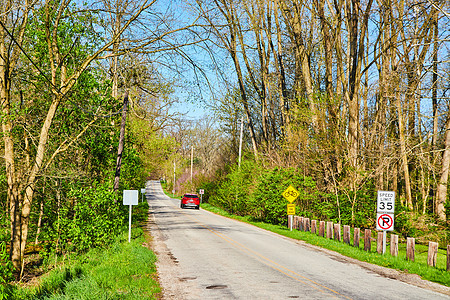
[205, 256]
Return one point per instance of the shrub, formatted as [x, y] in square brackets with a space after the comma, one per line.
[92, 221]
[268, 202]
[6, 272]
[234, 191]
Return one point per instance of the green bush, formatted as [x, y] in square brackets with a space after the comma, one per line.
[6, 272]
[233, 192]
[92, 221]
[255, 192]
[268, 200]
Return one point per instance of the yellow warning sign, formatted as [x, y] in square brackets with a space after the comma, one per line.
[291, 209]
[290, 194]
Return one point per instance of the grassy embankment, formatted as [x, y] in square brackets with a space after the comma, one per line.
[121, 271]
[419, 266]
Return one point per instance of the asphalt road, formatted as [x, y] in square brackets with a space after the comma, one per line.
[218, 258]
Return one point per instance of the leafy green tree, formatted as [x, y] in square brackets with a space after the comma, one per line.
[65, 50]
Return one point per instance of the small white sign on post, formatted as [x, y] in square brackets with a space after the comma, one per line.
[201, 192]
[385, 213]
[142, 193]
[130, 197]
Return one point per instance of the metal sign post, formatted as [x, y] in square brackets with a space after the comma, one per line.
[201, 192]
[291, 212]
[143, 193]
[290, 194]
[385, 213]
[130, 197]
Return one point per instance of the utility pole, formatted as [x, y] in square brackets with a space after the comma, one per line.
[240, 141]
[173, 189]
[192, 164]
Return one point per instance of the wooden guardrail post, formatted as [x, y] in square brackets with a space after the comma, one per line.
[337, 232]
[294, 219]
[314, 226]
[432, 253]
[410, 248]
[356, 237]
[380, 242]
[394, 245]
[448, 258]
[322, 228]
[367, 234]
[307, 225]
[347, 234]
[329, 230]
[299, 223]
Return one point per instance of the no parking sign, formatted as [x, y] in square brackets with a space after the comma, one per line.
[385, 222]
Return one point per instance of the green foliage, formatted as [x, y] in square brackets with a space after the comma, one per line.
[78, 209]
[89, 219]
[268, 197]
[95, 274]
[6, 267]
[233, 193]
[6, 272]
[96, 217]
[155, 150]
[255, 192]
[132, 174]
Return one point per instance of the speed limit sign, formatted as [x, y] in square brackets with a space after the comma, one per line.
[385, 202]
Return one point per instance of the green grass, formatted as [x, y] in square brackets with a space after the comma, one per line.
[419, 266]
[121, 271]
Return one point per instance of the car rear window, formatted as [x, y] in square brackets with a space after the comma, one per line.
[191, 196]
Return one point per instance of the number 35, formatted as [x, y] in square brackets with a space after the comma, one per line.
[384, 205]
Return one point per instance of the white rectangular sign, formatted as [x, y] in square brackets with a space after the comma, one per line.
[385, 222]
[142, 191]
[201, 191]
[385, 202]
[130, 197]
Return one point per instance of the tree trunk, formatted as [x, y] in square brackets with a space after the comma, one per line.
[121, 142]
[403, 154]
[279, 64]
[10, 166]
[441, 196]
[302, 63]
[356, 52]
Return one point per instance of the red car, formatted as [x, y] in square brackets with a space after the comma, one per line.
[190, 200]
